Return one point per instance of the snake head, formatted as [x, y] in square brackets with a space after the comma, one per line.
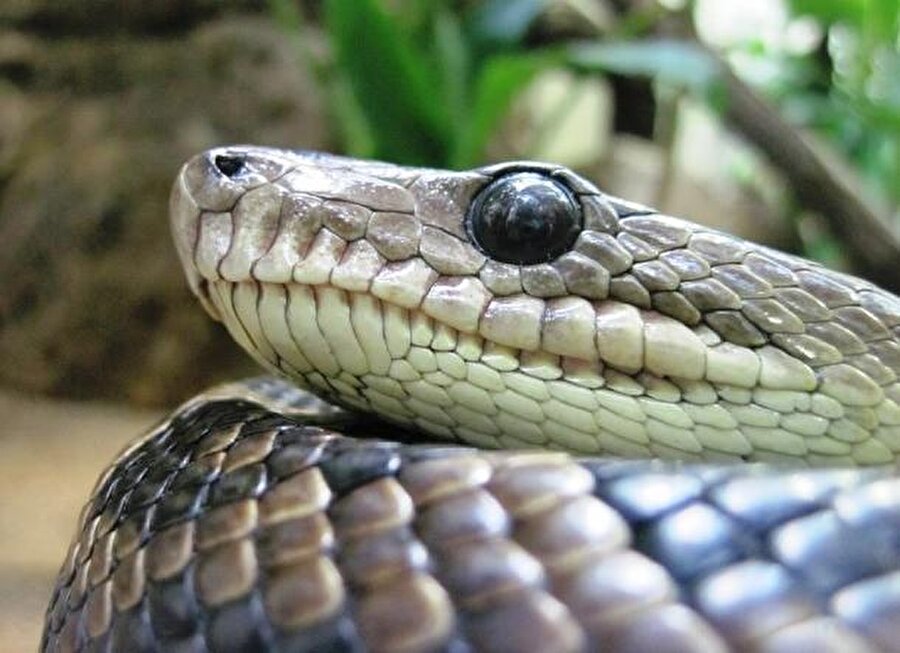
[460, 302]
[245, 213]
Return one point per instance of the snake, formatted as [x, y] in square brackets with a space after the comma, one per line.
[507, 412]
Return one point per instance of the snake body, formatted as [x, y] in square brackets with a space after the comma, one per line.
[249, 519]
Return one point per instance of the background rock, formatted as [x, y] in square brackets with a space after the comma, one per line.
[92, 131]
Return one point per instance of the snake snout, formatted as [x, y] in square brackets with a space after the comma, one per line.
[224, 208]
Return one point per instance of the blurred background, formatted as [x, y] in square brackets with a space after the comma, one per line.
[778, 120]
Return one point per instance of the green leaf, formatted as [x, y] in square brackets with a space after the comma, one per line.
[831, 11]
[390, 81]
[452, 61]
[498, 83]
[882, 25]
[671, 62]
[354, 130]
[498, 24]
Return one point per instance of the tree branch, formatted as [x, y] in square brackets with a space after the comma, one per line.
[872, 245]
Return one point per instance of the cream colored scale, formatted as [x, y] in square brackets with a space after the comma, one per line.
[750, 404]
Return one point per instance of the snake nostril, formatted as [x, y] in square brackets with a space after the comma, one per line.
[229, 165]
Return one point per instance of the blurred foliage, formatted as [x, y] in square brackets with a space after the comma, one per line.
[428, 81]
[846, 85]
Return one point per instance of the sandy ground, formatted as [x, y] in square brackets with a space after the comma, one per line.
[51, 452]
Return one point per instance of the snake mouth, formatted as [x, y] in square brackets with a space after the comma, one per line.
[372, 355]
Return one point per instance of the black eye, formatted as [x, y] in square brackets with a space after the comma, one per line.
[524, 218]
[229, 165]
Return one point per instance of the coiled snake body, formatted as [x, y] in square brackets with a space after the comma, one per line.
[510, 307]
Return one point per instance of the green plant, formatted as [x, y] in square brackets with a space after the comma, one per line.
[424, 82]
[427, 82]
[846, 88]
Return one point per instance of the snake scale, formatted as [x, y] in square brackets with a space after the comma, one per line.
[635, 404]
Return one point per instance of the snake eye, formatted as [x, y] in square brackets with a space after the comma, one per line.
[229, 165]
[524, 218]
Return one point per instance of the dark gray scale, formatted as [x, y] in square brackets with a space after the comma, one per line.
[243, 483]
[710, 294]
[763, 502]
[336, 634]
[648, 496]
[770, 598]
[174, 610]
[871, 607]
[239, 626]
[656, 275]
[131, 631]
[196, 473]
[352, 467]
[675, 304]
[628, 289]
[659, 232]
[694, 541]
[687, 264]
[829, 554]
[606, 250]
[291, 458]
[178, 505]
[735, 328]
[765, 267]
[149, 489]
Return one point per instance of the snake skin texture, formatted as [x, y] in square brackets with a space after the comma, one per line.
[234, 528]
[696, 375]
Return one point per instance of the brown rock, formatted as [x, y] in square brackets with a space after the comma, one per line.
[92, 131]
